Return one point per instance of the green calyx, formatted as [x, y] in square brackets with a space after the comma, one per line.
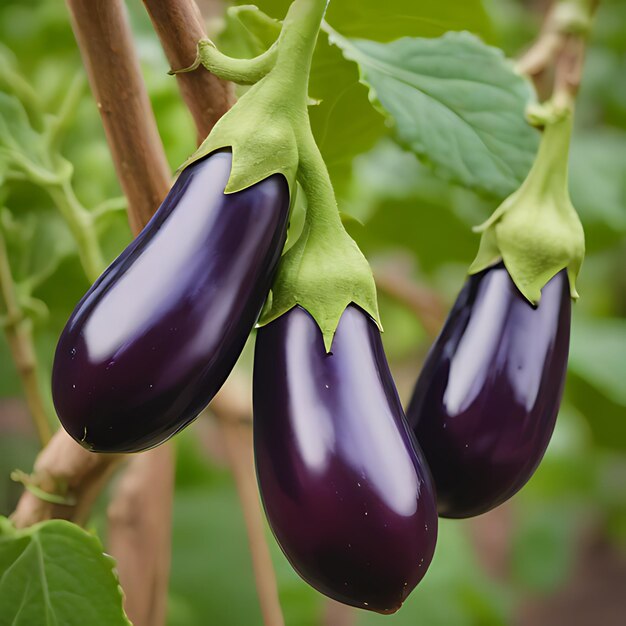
[536, 231]
[324, 271]
[269, 132]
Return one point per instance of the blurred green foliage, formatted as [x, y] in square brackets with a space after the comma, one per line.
[403, 209]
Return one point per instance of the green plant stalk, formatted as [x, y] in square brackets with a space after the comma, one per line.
[60, 122]
[18, 331]
[82, 226]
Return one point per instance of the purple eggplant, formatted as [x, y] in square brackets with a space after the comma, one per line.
[156, 336]
[485, 404]
[345, 488]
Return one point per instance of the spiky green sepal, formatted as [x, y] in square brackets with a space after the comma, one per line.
[260, 134]
[323, 272]
[536, 231]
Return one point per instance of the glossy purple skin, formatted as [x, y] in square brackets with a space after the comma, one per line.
[156, 336]
[486, 402]
[344, 485]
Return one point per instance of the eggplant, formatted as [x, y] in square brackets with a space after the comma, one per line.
[156, 336]
[485, 404]
[344, 486]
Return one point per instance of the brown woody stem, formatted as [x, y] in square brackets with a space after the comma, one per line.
[105, 40]
[179, 25]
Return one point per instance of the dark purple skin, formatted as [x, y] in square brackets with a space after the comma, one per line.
[485, 404]
[156, 336]
[345, 488]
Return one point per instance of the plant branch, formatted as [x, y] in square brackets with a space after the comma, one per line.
[68, 107]
[13, 82]
[18, 331]
[81, 224]
[64, 469]
[179, 25]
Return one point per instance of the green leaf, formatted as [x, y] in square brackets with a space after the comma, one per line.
[597, 355]
[455, 102]
[404, 207]
[22, 146]
[56, 573]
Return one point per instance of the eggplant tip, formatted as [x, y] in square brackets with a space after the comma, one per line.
[389, 611]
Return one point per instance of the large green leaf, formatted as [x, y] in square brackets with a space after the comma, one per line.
[455, 102]
[55, 574]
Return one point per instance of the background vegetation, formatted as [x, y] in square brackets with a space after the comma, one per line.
[556, 554]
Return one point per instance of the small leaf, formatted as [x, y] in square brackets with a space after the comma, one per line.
[56, 573]
[455, 102]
